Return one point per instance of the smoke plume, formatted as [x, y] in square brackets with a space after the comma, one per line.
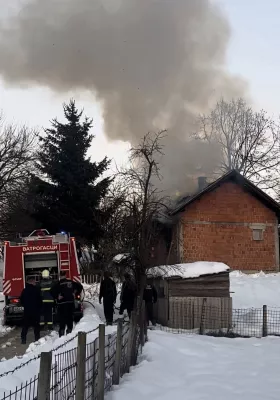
[152, 63]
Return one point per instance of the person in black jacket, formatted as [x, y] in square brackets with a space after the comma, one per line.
[150, 297]
[31, 300]
[108, 293]
[64, 293]
[128, 294]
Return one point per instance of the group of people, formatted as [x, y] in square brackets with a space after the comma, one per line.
[108, 292]
[39, 301]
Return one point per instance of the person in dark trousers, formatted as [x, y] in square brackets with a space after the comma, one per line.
[64, 293]
[48, 301]
[31, 301]
[150, 298]
[108, 292]
[128, 294]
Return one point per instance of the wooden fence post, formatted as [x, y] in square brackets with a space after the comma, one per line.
[101, 363]
[130, 340]
[117, 365]
[56, 381]
[264, 327]
[44, 382]
[81, 366]
[143, 321]
[133, 356]
[202, 318]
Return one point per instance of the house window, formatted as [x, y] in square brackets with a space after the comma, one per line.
[257, 234]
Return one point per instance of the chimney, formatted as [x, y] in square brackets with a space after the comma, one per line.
[202, 183]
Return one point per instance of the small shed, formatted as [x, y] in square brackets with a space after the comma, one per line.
[193, 296]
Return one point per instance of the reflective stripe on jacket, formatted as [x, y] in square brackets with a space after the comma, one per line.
[46, 291]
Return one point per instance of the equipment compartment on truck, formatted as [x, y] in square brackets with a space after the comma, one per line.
[29, 257]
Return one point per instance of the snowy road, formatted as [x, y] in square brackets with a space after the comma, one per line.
[176, 367]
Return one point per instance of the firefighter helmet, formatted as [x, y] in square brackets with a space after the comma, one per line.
[45, 274]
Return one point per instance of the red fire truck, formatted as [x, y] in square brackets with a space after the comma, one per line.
[30, 257]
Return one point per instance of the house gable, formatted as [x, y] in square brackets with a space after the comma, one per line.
[229, 202]
[233, 225]
[233, 177]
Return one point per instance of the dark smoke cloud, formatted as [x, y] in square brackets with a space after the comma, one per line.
[153, 64]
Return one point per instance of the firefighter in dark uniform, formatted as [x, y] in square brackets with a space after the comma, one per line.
[31, 300]
[150, 298]
[108, 293]
[47, 299]
[128, 295]
[64, 293]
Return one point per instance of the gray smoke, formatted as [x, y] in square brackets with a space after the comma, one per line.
[152, 63]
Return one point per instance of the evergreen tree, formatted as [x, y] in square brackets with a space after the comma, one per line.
[70, 190]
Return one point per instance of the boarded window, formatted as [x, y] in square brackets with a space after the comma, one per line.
[257, 234]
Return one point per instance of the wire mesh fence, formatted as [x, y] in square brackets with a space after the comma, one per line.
[91, 372]
[64, 367]
[63, 375]
[215, 321]
[26, 391]
[124, 356]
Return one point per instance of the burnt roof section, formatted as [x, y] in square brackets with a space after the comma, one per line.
[232, 176]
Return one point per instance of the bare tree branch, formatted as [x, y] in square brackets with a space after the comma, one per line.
[17, 156]
[141, 209]
[249, 141]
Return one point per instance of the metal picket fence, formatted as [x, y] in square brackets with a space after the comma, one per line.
[87, 371]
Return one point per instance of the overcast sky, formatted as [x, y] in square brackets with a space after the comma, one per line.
[253, 53]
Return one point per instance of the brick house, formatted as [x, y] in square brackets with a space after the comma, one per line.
[231, 221]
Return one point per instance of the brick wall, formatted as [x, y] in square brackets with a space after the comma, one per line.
[217, 228]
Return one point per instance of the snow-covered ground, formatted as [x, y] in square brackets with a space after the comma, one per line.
[176, 367]
[184, 357]
[255, 290]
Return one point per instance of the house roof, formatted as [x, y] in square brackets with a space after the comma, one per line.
[231, 176]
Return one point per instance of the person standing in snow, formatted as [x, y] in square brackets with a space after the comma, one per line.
[150, 298]
[128, 295]
[64, 293]
[31, 301]
[108, 292]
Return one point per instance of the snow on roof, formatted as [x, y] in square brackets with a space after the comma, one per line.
[190, 270]
[121, 257]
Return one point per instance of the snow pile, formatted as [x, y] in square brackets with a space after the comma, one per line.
[92, 291]
[175, 367]
[255, 290]
[189, 270]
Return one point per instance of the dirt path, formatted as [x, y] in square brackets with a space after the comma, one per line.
[10, 344]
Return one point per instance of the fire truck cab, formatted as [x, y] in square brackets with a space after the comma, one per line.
[29, 257]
